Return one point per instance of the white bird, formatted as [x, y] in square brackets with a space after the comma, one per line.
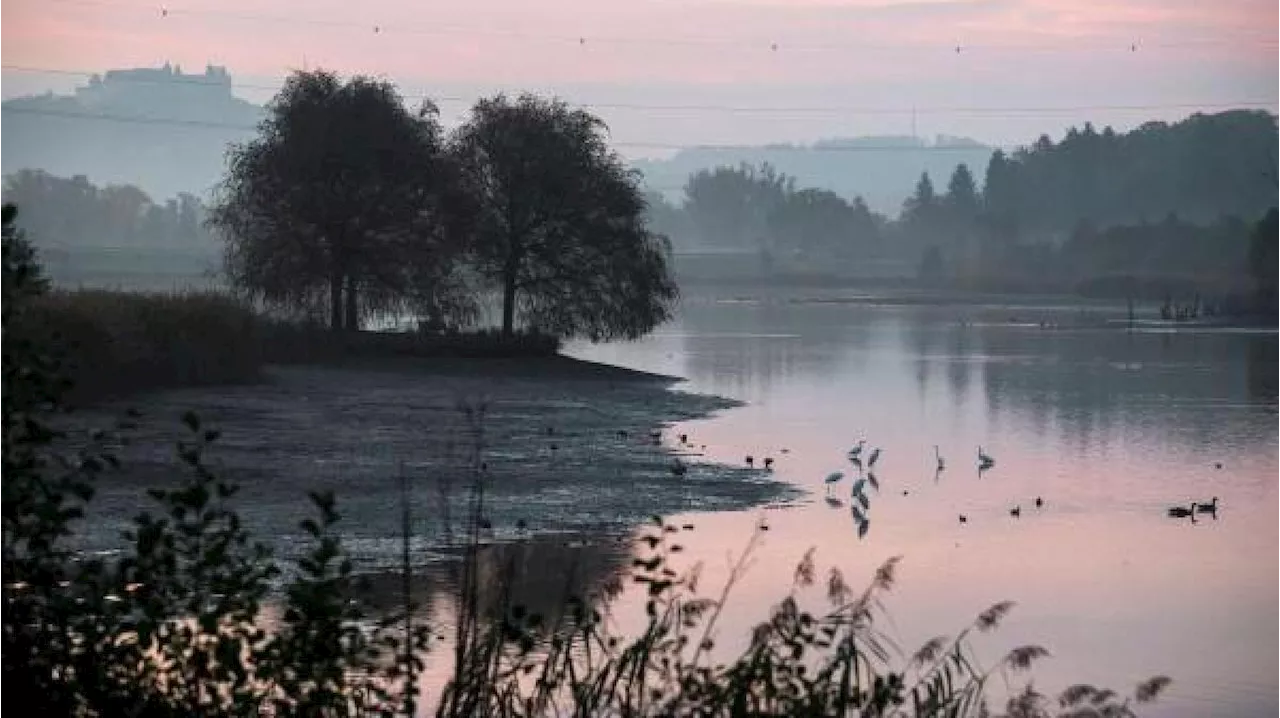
[872, 460]
[941, 464]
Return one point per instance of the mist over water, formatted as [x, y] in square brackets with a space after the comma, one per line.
[1109, 427]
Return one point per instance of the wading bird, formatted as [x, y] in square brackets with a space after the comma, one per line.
[751, 461]
[1016, 511]
[984, 460]
[833, 478]
[768, 462]
[938, 455]
[875, 456]
[1182, 512]
[1039, 502]
[679, 468]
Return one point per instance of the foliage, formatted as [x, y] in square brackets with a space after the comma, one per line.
[1262, 256]
[759, 209]
[1202, 167]
[557, 222]
[77, 213]
[117, 342]
[335, 196]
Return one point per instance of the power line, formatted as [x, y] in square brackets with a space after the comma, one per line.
[731, 109]
[770, 44]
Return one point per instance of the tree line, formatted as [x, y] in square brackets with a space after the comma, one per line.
[1179, 200]
[347, 204]
[74, 212]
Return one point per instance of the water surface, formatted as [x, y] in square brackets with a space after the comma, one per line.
[1108, 424]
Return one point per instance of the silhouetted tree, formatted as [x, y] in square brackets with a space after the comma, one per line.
[1263, 259]
[961, 203]
[733, 206]
[559, 226]
[331, 196]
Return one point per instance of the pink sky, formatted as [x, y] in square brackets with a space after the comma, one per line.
[867, 53]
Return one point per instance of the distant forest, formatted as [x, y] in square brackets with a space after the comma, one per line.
[114, 234]
[1171, 207]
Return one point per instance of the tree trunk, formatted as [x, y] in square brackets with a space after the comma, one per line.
[335, 302]
[353, 316]
[508, 303]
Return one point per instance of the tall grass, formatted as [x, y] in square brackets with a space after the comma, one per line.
[113, 343]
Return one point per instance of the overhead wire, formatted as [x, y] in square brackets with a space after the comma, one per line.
[990, 110]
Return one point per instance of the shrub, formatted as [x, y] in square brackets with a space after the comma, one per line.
[118, 342]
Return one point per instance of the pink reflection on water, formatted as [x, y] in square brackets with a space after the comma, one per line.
[1108, 428]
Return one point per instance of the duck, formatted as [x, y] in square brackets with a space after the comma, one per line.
[1181, 512]
[1209, 508]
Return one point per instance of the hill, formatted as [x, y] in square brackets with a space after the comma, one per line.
[179, 147]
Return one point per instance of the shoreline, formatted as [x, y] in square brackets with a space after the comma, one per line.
[565, 443]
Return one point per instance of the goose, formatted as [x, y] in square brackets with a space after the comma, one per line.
[1016, 511]
[872, 460]
[941, 464]
[1181, 512]
[1209, 508]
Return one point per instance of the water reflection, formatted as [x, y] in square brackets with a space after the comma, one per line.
[1106, 427]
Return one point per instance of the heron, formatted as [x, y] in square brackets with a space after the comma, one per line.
[984, 460]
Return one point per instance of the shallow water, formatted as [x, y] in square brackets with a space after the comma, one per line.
[1108, 426]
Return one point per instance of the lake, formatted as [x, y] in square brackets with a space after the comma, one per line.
[1109, 425]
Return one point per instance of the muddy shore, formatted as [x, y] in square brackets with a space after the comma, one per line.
[566, 447]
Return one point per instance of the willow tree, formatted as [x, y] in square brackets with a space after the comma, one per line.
[335, 196]
[557, 222]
